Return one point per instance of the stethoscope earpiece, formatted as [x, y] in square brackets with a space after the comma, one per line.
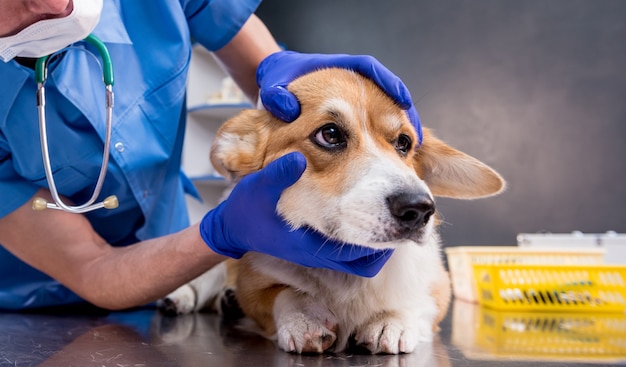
[41, 72]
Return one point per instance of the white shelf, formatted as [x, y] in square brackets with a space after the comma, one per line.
[211, 180]
[210, 102]
[217, 112]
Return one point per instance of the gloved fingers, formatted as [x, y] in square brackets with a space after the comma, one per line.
[369, 266]
[415, 121]
[318, 245]
[217, 236]
[391, 84]
[365, 65]
[279, 69]
[282, 172]
[280, 102]
[286, 170]
[346, 252]
[373, 69]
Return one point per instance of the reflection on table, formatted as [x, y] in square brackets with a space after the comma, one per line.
[142, 338]
[485, 334]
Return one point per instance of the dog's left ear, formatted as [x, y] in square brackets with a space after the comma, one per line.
[240, 144]
[451, 173]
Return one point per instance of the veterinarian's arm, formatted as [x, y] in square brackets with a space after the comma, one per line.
[242, 55]
[65, 246]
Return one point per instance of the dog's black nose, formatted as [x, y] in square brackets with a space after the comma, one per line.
[411, 209]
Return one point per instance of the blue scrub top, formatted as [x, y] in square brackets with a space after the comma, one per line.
[150, 45]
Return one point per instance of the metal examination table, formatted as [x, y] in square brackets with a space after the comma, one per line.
[469, 336]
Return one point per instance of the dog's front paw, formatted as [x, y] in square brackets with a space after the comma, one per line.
[302, 334]
[181, 301]
[393, 336]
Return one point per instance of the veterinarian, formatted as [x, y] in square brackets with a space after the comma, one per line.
[144, 248]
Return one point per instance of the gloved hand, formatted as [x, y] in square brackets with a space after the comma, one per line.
[279, 69]
[248, 221]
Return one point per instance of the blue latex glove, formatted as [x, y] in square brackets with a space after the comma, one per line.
[279, 69]
[247, 221]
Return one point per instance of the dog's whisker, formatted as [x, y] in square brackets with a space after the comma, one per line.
[338, 249]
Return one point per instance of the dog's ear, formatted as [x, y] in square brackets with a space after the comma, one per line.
[240, 144]
[451, 173]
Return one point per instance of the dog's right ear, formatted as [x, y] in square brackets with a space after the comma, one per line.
[240, 144]
[451, 173]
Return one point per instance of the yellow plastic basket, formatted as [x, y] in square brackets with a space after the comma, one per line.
[577, 288]
[462, 259]
[539, 336]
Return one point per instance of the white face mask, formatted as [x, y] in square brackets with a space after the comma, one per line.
[51, 35]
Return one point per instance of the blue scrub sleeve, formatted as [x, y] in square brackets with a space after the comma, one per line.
[14, 190]
[214, 23]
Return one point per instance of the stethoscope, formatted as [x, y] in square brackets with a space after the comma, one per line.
[111, 202]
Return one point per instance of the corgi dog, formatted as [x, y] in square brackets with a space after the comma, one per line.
[368, 182]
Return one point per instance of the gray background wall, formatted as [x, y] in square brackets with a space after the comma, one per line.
[534, 88]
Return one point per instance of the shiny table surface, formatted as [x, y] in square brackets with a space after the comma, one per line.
[469, 336]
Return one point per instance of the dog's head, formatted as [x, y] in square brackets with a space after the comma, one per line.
[367, 181]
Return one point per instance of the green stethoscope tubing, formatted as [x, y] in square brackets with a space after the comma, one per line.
[41, 72]
[107, 65]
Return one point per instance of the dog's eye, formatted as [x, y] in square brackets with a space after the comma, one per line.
[403, 144]
[330, 136]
